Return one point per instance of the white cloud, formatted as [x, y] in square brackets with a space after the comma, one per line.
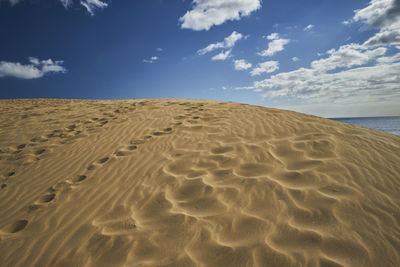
[353, 85]
[36, 69]
[159, 49]
[347, 56]
[222, 55]
[294, 59]
[276, 45]
[383, 15]
[384, 37]
[228, 42]
[151, 60]
[319, 85]
[391, 59]
[273, 36]
[34, 61]
[380, 14]
[265, 67]
[242, 64]
[208, 13]
[359, 75]
[309, 27]
[92, 5]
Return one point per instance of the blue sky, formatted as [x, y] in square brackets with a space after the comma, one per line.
[332, 58]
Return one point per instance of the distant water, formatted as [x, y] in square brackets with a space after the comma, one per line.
[385, 124]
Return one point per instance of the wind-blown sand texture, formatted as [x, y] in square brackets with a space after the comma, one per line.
[193, 183]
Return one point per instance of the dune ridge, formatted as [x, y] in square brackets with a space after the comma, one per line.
[166, 182]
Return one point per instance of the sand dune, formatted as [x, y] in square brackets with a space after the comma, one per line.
[193, 183]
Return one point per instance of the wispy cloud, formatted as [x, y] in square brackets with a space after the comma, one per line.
[92, 5]
[309, 27]
[265, 67]
[151, 60]
[295, 59]
[36, 69]
[228, 42]
[275, 45]
[222, 55]
[66, 3]
[208, 13]
[241, 64]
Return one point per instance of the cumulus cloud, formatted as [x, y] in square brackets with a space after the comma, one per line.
[275, 45]
[222, 55]
[349, 85]
[353, 74]
[294, 59]
[151, 60]
[383, 15]
[208, 13]
[265, 67]
[380, 14]
[92, 5]
[318, 83]
[242, 64]
[228, 42]
[347, 56]
[36, 69]
[309, 27]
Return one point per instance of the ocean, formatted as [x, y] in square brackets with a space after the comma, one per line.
[385, 124]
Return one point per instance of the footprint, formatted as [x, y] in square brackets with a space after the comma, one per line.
[137, 142]
[15, 227]
[80, 178]
[46, 198]
[179, 117]
[39, 139]
[3, 186]
[11, 174]
[122, 153]
[40, 151]
[71, 127]
[22, 146]
[158, 133]
[167, 130]
[91, 167]
[103, 160]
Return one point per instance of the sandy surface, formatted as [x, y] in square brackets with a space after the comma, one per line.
[193, 183]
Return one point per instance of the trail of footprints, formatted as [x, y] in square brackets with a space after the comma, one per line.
[69, 133]
[51, 194]
[37, 146]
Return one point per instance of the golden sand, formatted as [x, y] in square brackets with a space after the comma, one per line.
[193, 183]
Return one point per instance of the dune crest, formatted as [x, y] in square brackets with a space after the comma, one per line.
[193, 183]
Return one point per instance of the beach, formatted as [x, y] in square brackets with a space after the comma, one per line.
[169, 182]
